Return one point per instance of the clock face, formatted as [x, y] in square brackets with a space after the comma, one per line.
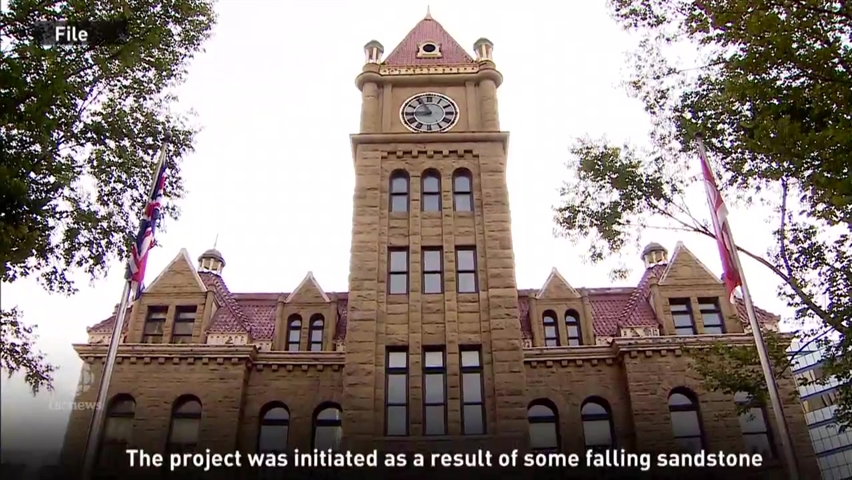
[429, 112]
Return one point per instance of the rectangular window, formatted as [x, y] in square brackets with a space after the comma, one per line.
[398, 271]
[466, 270]
[396, 391]
[712, 315]
[184, 322]
[473, 398]
[154, 323]
[434, 391]
[433, 278]
[682, 316]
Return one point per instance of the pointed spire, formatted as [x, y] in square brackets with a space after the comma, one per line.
[428, 44]
[216, 241]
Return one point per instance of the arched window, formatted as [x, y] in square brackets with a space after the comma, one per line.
[597, 424]
[431, 191]
[117, 431]
[328, 427]
[317, 324]
[294, 332]
[756, 434]
[544, 426]
[399, 191]
[572, 326]
[551, 334]
[462, 190]
[274, 428]
[186, 420]
[686, 423]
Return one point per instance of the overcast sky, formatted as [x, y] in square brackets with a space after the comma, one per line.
[272, 173]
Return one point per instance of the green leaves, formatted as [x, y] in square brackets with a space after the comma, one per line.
[80, 128]
[770, 92]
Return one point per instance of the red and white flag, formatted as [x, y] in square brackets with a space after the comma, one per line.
[719, 213]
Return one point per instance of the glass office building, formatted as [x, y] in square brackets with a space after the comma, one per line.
[833, 448]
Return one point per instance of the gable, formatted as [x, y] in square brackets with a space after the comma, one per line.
[309, 291]
[179, 276]
[685, 268]
[556, 287]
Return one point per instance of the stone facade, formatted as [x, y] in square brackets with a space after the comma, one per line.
[309, 350]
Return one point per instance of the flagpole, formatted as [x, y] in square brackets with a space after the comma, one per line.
[771, 384]
[766, 366]
[96, 425]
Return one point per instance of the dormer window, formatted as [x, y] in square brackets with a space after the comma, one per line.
[429, 50]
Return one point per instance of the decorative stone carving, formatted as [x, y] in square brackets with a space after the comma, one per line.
[263, 346]
[528, 343]
[632, 332]
[339, 346]
[227, 339]
[603, 340]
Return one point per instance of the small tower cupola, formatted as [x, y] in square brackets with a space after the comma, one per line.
[484, 50]
[211, 261]
[654, 254]
[373, 51]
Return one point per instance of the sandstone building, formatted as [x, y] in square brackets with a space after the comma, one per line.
[434, 346]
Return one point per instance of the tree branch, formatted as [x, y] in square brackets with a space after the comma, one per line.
[804, 297]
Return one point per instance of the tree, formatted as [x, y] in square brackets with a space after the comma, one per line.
[80, 125]
[770, 93]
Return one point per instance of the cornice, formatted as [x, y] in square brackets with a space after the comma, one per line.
[634, 347]
[427, 138]
[429, 75]
[216, 354]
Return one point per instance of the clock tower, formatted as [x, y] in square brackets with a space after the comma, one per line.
[433, 341]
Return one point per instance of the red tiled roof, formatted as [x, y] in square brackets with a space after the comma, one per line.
[254, 313]
[428, 30]
[230, 317]
[763, 317]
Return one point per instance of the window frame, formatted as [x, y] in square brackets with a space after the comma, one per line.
[478, 369]
[182, 310]
[155, 315]
[318, 423]
[439, 272]
[551, 419]
[404, 373]
[292, 320]
[687, 304]
[573, 341]
[392, 194]
[111, 448]
[392, 273]
[175, 447]
[424, 193]
[713, 307]
[473, 271]
[463, 173]
[767, 429]
[598, 417]
[273, 422]
[317, 317]
[436, 371]
[694, 408]
[550, 319]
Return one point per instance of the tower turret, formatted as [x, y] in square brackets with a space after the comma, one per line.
[211, 261]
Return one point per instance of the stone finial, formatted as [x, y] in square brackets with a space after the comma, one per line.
[484, 50]
[373, 51]
[211, 261]
[654, 254]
